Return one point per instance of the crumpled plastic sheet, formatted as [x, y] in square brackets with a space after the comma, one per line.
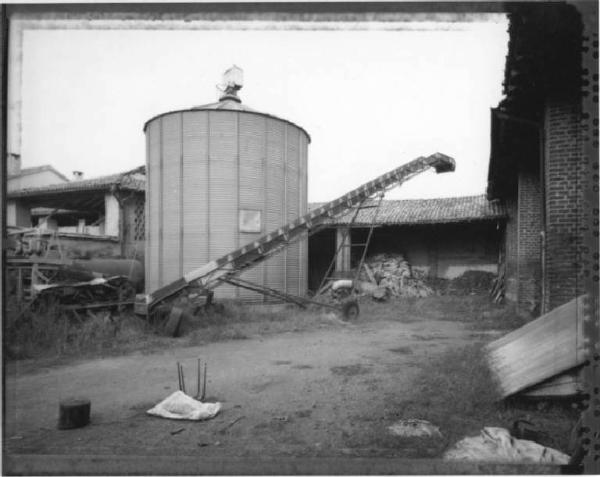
[181, 406]
[495, 444]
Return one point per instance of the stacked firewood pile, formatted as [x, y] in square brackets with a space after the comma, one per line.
[388, 274]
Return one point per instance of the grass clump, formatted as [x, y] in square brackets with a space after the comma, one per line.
[52, 333]
[459, 383]
[27, 334]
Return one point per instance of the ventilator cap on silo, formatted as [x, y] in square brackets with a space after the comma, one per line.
[232, 81]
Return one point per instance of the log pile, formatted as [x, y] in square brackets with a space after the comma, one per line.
[393, 273]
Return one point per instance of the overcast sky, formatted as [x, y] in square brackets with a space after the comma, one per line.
[371, 100]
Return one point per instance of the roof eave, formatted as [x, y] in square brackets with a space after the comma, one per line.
[25, 193]
[423, 222]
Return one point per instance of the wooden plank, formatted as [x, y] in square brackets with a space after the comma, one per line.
[565, 384]
[539, 350]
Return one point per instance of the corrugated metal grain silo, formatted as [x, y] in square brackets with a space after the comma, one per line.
[218, 176]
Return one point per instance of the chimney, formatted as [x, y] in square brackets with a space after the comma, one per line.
[13, 164]
[77, 175]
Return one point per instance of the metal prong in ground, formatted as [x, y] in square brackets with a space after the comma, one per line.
[179, 374]
[204, 384]
[182, 379]
[198, 383]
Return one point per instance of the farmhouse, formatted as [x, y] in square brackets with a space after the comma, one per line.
[100, 217]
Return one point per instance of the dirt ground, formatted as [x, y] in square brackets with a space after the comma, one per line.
[322, 392]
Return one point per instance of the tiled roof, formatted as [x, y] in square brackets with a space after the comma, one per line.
[26, 171]
[126, 180]
[425, 211]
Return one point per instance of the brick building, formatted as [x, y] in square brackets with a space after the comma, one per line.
[538, 159]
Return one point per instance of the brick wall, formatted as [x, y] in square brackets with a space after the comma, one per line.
[511, 250]
[529, 250]
[565, 219]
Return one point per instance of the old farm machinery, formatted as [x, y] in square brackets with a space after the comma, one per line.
[40, 276]
[226, 269]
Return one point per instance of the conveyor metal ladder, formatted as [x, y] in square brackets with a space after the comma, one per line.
[346, 243]
[225, 268]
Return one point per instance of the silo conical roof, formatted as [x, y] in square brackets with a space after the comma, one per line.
[229, 104]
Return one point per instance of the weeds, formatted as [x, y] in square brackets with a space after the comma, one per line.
[27, 332]
[54, 333]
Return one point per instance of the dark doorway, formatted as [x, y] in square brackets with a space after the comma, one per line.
[321, 250]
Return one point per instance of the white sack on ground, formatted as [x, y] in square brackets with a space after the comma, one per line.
[181, 406]
[495, 444]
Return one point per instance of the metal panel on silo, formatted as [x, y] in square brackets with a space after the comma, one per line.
[274, 208]
[223, 188]
[172, 259]
[154, 198]
[292, 206]
[303, 208]
[208, 165]
[252, 155]
[196, 198]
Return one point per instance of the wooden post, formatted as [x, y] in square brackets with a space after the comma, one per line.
[342, 261]
[112, 213]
